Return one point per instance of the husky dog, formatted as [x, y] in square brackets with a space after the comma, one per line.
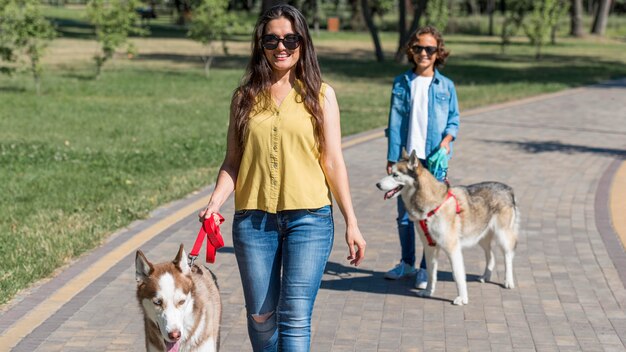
[454, 218]
[181, 305]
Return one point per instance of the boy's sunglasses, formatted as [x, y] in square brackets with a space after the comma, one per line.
[290, 41]
[417, 49]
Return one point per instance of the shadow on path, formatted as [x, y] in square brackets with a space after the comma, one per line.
[375, 282]
[536, 147]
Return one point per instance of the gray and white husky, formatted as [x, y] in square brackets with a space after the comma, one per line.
[455, 218]
[181, 305]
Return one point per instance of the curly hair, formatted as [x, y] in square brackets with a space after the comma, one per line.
[442, 53]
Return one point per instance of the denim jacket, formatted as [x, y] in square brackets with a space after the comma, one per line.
[443, 114]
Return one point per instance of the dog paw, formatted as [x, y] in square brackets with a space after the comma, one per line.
[459, 301]
[509, 285]
[424, 293]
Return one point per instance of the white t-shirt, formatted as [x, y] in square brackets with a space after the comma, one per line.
[418, 123]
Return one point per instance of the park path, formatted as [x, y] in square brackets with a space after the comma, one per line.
[559, 152]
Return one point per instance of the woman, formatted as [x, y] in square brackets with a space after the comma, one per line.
[283, 160]
[424, 116]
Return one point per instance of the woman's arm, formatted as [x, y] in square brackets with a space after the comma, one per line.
[337, 176]
[227, 176]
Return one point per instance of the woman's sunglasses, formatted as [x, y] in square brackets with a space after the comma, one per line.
[290, 41]
[417, 49]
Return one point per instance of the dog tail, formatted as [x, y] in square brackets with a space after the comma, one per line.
[515, 219]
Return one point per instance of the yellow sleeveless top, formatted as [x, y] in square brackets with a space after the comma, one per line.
[280, 165]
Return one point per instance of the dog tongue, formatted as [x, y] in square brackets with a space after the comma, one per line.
[390, 194]
[172, 346]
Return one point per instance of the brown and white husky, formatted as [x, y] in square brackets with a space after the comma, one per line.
[456, 217]
[181, 305]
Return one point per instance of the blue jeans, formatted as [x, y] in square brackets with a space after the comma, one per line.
[406, 232]
[298, 242]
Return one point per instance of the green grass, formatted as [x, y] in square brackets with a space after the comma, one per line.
[89, 156]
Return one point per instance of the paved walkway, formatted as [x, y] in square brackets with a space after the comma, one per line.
[558, 152]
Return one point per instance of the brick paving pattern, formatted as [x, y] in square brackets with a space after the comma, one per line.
[569, 295]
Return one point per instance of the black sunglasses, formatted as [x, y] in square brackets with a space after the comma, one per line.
[417, 49]
[290, 41]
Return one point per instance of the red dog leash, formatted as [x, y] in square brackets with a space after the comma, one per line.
[214, 238]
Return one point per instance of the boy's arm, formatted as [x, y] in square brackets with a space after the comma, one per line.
[452, 127]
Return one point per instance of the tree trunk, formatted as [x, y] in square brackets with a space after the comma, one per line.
[208, 59]
[418, 11]
[316, 16]
[491, 9]
[576, 22]
[402, 34]
[369, 21]
[472, 7]
[268, 4]
[356, 21]
[601, 18]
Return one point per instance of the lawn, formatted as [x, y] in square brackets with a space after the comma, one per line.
[89, 156]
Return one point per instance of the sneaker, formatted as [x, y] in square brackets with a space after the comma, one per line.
[421, 279]
[399, 271]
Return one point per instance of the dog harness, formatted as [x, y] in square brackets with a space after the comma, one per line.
[211, 230]
[424, 225]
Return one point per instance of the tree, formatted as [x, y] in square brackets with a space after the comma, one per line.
[371, 26]
[114, 22]
[576, 21]
[357, 22]
[24, 31]
[418, 10]
[437, 14]
[513, 18]
[473, 8]
[211, 22]
[544, 18]
[402, 33]
[601, 18]
[491, 9]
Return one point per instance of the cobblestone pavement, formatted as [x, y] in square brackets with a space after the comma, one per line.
[569, 294]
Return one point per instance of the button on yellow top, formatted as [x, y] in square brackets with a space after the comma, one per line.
[280, 167]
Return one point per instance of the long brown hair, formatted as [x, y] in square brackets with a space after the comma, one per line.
[257, 79]
[442, 53]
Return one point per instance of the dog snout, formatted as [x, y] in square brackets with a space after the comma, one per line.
[378, 185]
[174, 335]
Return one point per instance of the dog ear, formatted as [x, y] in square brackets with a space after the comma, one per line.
[405, 155]
[414, 162]
[143, 268]
[181, 261]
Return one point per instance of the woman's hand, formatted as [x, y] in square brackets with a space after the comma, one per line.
[208, 211]
[355, 239]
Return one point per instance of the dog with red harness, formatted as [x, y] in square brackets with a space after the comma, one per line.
[452, 218]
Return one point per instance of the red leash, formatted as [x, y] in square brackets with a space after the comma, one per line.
[424, 225]
[214, 239]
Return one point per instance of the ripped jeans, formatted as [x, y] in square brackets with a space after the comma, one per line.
[279, 307]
